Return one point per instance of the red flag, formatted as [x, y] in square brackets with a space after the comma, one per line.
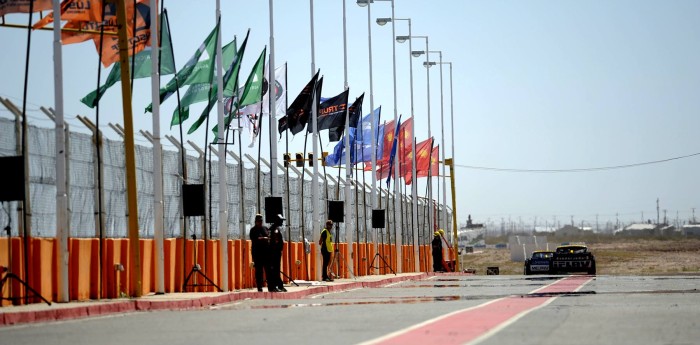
[422, 160]
[405, 153]
[22, 6]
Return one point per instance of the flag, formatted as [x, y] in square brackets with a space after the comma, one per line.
[337, 157]
[423, 150]
[363, 141]
[280, 96]
[200, 85]
[300, 106]
[22, 6]
[230, 84]
[405, 149]
[90, 15]
[331, 113]
[354, 113]
[394, 148]
[142, 61]
[181, 77]
[252, 94]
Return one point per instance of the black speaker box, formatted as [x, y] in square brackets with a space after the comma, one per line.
[193, 199]
[12, 178]
[336, 211]
[378, 219]
[273, 207]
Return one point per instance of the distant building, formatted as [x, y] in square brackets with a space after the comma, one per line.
[572, 231]
[691, 230]
[646, 229]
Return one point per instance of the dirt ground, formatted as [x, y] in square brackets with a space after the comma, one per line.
[628, 256]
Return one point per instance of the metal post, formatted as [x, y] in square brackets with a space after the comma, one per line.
[314, 138]
[157, 158]
[348, 163]
[272, 92]
[62, 231]
[223, 190]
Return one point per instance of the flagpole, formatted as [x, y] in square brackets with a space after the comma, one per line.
[314, 139]
[61, 180]
[371, 105]
[272, 91]
[348, 165]
[157, 155]
[223, 190]
[442, 129]
[397, 190]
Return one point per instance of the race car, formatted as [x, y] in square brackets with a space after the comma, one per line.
[573, 258]
[539, 263]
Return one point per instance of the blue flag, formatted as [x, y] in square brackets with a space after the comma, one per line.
[394, 145]
[363, 142]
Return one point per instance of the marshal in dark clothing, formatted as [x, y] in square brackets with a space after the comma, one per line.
[437, 252]
[275, 254]
[260, 241]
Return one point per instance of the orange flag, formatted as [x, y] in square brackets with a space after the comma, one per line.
[22, 6]
[87, 15]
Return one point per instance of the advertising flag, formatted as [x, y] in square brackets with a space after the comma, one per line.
[299, 107]
[22, 6]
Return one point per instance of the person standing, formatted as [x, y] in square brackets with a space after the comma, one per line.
[437, 252]
[326, 243]
[260, 243]
[275, 256]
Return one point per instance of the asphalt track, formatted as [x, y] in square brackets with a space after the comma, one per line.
[445, 309]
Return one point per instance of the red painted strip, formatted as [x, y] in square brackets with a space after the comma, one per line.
[466, 325]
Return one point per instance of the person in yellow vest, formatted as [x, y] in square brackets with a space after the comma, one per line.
[326, 243]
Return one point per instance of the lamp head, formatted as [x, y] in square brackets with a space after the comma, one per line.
[383, 21]
[363, 3]
[428, 64]
[402, 39]
[417, 53]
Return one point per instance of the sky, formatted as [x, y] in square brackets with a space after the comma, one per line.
[537, 85]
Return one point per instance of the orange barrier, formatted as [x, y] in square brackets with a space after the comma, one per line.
[84, 265]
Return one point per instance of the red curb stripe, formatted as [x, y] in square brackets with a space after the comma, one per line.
[469, 324]
[22, 317]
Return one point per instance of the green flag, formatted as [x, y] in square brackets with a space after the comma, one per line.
[181, 77]
[142, 61]
[252, 92]
[230, 84]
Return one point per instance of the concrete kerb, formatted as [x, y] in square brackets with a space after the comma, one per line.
[45, 313]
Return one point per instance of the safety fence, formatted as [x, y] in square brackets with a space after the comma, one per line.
[84, 172]
[87, 281]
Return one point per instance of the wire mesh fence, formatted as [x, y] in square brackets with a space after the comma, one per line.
[243, 202]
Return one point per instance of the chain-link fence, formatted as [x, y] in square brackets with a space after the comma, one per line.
[84, 176]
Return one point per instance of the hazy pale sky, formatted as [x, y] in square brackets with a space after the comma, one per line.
[537, 85]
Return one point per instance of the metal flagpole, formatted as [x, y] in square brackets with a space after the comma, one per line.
[372, 119]
[314, 138]
[61, 179]
[397, 158]
[348, 164]
[157, 154]
[272, 92]
[223, 190]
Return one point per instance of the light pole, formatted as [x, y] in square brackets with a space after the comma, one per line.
[314, 138]
[366, 3]
[418, 53]
[414, 187]
[442, 134]
[397, 190]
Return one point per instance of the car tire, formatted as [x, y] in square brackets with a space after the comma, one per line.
[592, 270]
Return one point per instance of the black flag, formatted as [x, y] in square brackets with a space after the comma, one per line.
[298, 111]
[331, 112]
[336, 131]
